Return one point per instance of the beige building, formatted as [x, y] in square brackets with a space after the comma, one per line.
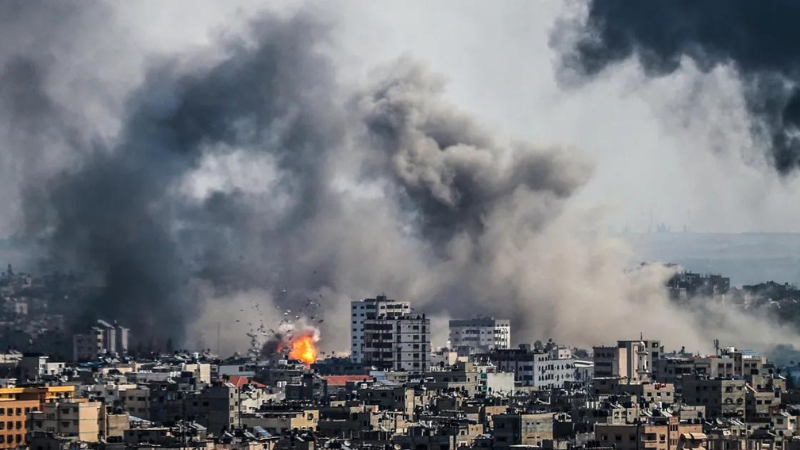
[277, 422]
[201, 371]
[671, 434]
[632, 361]
[82, 420]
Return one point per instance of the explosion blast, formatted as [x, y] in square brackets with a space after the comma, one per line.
[303, 349]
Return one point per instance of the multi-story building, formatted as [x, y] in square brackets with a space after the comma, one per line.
[215, 407]
[609, 361]
[661, 434]
[483, 334]
[721, 397]
[401, 343]
[630, 360]
[522, 429]
[536, 368]
[13, 422]
[686, 285]
[87, 346]
[136, 402]
[463, 377]
[82, 420]
[370, 308]
[42, 394]
[103, 338]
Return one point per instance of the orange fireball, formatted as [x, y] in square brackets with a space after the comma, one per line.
[303, 349]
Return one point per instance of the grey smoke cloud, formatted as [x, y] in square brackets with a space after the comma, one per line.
[453, 171]
[245, 174]
[759, 41]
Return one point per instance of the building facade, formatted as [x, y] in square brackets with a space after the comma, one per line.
[401, 343]
[13, 422]
[371, 308]
[534, 368]
[631, 360]
[82, 420]
[103, 338]
[482, 333]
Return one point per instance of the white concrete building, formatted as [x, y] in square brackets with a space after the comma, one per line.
[35, 366]
[538, 369]
[371, 308]
[483, 334]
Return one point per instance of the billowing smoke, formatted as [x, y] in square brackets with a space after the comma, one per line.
[759, 41]
[239, 183]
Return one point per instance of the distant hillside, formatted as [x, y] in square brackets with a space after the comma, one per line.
[747, 258]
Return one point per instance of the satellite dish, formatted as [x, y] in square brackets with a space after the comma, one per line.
[347, 443]
[397, 446]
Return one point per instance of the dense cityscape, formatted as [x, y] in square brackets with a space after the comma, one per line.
[394, 390]
[451, 225]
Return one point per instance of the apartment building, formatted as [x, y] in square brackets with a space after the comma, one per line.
[534, 368]
[13, 422]
[662, 433]
[721, 397]
[631, 360]
[370, 308]
[136, 402]
[401, 343]
[102, 338]
[483, 334]
[81, 420]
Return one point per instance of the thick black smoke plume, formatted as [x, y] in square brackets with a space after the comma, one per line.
[760, 40]
[118, 214]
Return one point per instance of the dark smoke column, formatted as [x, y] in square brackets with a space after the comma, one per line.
[119, 215]
[760, 39]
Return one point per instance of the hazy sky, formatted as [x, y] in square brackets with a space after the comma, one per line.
[672, 149]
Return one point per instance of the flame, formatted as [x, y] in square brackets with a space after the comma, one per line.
[303, 349]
